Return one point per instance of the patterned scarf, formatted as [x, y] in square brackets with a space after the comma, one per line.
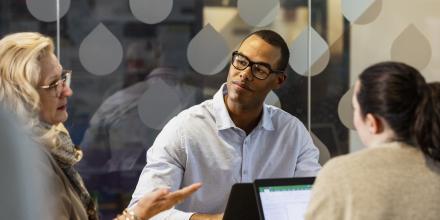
[67, 155]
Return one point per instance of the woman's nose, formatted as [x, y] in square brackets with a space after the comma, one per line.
[67, 91]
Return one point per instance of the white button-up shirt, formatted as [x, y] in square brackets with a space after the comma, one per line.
[202, 144]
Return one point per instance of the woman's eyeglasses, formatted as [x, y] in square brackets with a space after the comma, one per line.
[56, 87]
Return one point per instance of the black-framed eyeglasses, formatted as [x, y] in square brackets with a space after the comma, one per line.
[259, 70]
[56, 87]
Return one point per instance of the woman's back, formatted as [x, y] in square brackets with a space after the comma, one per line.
[391, 181]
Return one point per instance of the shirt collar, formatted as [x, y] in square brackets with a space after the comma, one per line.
[224, 121]
[266, 121]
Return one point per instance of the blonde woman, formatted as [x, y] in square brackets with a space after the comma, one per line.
[34, 85]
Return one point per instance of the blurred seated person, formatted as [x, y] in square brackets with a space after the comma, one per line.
[397, 177]
[26, 192]
[117, 138]
[35, 87]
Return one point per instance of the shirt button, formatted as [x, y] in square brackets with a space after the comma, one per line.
[245, 172]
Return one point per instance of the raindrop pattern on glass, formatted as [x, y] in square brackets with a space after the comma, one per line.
[208, 52]
[100, 52]
[151, 11]
[258, 13]
[158, 105]
[46, 10]
[361, 11]
[299, 54]
[412, 47]
[272, 99]
[345, 109]
[324, 153]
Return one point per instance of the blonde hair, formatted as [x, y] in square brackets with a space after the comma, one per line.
[20, 73]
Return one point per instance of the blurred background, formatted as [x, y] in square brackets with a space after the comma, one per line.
[138, 63]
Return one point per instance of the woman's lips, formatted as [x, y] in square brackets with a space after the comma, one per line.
[61, 108]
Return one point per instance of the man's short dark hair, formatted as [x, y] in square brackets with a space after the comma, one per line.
[274, 39]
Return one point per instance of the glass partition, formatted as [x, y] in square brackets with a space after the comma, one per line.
[135, 66]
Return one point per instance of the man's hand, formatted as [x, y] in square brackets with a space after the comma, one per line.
[162, 199]
[198, 216]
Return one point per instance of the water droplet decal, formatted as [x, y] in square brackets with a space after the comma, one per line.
[208, 53]
[46, 10]
[412, 47]
[299, 54]
[100, 52]
[151, 11]
[258, 13]
[345, 109]
[361, 11]
[272, 99]
[158, 105]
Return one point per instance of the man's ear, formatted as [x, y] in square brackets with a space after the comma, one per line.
[281, 78]
[374, 123]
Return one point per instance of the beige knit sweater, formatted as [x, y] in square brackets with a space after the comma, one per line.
[392, 181]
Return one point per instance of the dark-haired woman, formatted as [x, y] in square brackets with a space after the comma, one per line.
[397, 116]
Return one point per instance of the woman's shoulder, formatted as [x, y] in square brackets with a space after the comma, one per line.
[47, 163]
[64, 200]
[372, 160]
[352, 162]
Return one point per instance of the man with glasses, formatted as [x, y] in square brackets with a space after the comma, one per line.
[233, 137]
